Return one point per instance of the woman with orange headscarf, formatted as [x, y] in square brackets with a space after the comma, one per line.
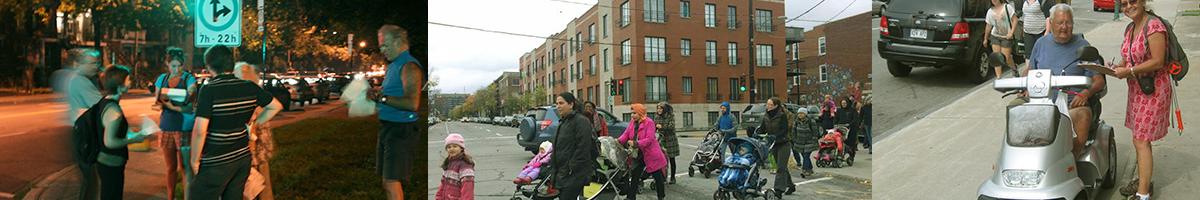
[650, 157]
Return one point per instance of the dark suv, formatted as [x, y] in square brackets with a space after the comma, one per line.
[752, 116]
[914, 33]
[541, 123]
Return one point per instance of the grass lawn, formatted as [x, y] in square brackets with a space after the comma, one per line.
[333, 158]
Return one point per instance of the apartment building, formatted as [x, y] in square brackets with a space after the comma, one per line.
[693, 54]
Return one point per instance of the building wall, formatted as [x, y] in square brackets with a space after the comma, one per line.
[847, 61]
[676, 66]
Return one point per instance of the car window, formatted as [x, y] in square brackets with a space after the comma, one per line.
[538, 114]
[942, 7]
[608, 117]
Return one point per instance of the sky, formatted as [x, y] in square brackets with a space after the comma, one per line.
[465, 60]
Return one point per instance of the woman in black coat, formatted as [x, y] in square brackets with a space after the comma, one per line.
[574, 148]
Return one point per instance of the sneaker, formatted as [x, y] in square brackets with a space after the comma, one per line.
[1130, 188]
[807, 173]
[1136, 197]
[790, 190]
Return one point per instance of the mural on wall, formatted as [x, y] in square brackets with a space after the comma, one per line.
[837, 83]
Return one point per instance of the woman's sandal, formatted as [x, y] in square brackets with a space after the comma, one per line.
[1130, 188]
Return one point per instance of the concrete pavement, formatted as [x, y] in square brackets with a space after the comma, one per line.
[145, 171]
[950, 152]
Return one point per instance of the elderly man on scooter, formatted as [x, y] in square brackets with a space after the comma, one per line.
[1057, 52]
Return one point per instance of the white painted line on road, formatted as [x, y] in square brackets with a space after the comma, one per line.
[692, 146]
[813, 181]
[486, 138]
[33, 113]
[6, 195]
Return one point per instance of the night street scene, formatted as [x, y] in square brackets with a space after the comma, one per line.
[210, 99]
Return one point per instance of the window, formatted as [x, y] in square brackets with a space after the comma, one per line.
[762, 21]
[685, 46]
[589, 93]
[824, 73]
[625, 14]
[712, 90]
[627, 116]
[605, 58]
[571, 69]
[655, 49]
[710, 18]
[685, 9]
[766, 87]
[687, 85]
[656, 89]
[654, 11]
[578, 39]
[732, 21]
[591, 33]
[821, 46]
[764, 55]
[734, 93]
[592, 66]
[713, 116]
[625, 90]
[710, 52]
[626, 52]
[687, 119]
[733, 53]
[604, 25]
[579, 69]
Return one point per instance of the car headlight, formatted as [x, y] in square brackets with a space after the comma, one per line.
[1021, 178]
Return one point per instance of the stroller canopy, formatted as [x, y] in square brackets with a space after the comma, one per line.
[756, 147]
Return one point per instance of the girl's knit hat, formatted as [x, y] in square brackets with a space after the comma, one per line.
[455, 138]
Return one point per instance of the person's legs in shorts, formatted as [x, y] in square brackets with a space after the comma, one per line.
[394, 161]
[168, 141]
[239, 171]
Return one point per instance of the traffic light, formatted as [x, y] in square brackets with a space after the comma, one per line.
[742, 84]
[621, 87]
[612, 88]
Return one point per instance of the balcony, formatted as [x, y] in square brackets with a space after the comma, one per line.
[713, 97]
[655, 97]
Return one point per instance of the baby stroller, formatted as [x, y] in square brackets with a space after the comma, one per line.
[830, 149]
[538, 189]
[614, 156]
[739, 177]
[708, 156]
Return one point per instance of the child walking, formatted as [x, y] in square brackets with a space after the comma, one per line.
[458, 171]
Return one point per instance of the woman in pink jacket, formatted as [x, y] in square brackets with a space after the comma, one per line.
[640, 135]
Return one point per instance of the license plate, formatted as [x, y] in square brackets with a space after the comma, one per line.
[918, 33]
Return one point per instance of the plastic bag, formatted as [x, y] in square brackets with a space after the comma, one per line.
[149, 127]
[355, 96]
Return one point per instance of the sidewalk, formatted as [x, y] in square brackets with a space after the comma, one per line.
[952, 151]
[860, 172]
[145, 171]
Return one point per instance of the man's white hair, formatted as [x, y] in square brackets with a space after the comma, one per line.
[1062, 7]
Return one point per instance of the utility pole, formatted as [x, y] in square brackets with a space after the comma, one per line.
[754, 58]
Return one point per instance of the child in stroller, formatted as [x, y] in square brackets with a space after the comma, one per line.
[739, 175]
[708, 154]
[830, 149]
[531, 170]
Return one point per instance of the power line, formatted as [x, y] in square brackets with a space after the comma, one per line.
[582, 40]
[805, 12]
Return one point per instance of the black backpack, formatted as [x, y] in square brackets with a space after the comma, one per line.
[86, 133]
[1176, 58]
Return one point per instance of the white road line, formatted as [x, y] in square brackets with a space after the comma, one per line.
[486, 138]
[813, 181]
[6, 195]
[13, 134]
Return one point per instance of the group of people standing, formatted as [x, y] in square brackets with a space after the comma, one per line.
[1052, 44]
[216, 133]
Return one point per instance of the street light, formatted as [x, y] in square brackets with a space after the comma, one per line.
[362, 44]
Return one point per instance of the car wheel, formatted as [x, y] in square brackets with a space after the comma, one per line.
[980, 71]
[898, 69]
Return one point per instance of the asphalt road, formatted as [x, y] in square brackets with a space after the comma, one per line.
[34, 139]
[498, 159]
[901, 101]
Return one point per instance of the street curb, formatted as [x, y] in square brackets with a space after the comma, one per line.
[36, 188]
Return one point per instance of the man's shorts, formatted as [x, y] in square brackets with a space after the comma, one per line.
[394, 152]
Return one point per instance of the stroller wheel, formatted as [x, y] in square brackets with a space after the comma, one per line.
[691, 171]
[705, 172]
[720, 195]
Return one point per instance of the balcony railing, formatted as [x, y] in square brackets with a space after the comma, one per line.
[654, 97]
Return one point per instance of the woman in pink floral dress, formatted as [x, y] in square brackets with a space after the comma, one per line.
[1146, 114]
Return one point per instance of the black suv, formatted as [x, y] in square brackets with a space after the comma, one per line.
[935, 33]
[541, 123]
